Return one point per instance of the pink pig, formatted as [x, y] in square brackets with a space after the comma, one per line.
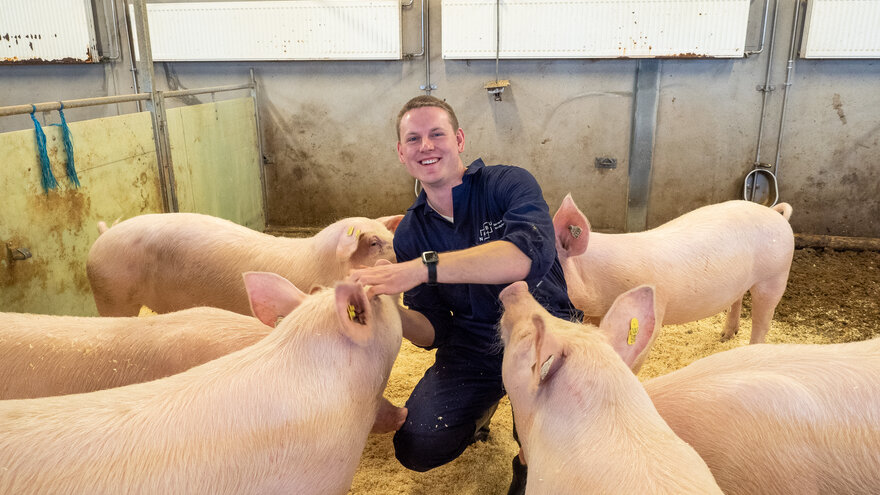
[289, 414]
[584, 420]
[172, 261]
[781, 419]
[56, 355]
[700, 263]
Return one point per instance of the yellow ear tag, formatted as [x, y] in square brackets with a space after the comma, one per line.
[351, 313]
[633, 331]
[350, 230]
[358, 233]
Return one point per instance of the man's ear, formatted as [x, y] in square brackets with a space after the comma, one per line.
[459, 138]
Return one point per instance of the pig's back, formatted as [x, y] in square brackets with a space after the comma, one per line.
[781, 418]
[174, 261]
[56, 355]
[702, 262]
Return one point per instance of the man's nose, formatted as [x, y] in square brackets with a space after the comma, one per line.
[427, 144]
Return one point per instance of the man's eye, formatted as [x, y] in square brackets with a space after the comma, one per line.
[411, 139]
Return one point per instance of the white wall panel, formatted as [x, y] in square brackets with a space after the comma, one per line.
[275, 30]
[34, 31]
[842, 29]
[595, 28]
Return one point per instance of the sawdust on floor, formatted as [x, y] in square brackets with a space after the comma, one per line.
[832, 296]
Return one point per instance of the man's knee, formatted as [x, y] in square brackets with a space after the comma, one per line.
[422, 451]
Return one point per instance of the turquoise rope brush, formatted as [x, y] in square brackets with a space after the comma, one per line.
[48, 179]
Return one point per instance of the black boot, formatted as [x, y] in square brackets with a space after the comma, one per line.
[482, 431]
[518, 483]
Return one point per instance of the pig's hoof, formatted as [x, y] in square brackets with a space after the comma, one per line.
[389, 418]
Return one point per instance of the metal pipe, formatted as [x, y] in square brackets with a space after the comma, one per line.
[426, 37]
[421, 29]
[766, 88]
[497, 36]
[115, 32]
[133, 68]
[109, 100]
[763, 31]
[788, 76]
[212, 89]
[85, 102]
[265, 190]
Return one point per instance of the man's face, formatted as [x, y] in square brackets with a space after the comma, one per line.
[429, 147]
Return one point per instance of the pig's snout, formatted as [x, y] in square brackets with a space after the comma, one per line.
[512, 292]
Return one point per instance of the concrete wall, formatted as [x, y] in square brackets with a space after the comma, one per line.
[329, 138]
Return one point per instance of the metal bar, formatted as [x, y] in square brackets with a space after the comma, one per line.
[641, 149]
[115, 23]
[109, 100]
[426, 33]
[497, 36]
[422, 29]
[763, 31]
[766, 88]
[198, 91]
[156, 106]
[84, 102]
[265, 191]
[789, 71]
[131, 58]
[163, 148]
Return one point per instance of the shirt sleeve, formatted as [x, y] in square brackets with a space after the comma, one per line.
[527, 221]
[423, 298]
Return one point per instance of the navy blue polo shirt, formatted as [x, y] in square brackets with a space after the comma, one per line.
[494, 203]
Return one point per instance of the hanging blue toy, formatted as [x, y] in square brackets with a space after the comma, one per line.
[48, 179]
[68, 147]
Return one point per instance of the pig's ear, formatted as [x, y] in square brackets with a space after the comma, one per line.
[354, 312]
[549, 353]
[390, 222]
[348, 243]
[630, 325]
[271, 296]
[571, 227]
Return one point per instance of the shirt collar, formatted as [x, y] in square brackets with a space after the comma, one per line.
[422, 200]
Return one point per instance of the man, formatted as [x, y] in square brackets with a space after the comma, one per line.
[471, 232]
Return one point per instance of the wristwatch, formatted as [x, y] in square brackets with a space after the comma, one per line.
[430, 259]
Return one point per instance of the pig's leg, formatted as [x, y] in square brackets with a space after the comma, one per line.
[765, 296]
[731, 326]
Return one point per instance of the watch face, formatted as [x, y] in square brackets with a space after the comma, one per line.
[430, 257]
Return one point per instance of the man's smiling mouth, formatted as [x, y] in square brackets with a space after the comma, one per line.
[429, 161]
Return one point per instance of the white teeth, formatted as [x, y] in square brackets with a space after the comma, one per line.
[429, 162]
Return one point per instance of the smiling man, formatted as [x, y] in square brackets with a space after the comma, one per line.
[471, 231]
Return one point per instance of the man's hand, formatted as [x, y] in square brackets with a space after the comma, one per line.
[391, 278]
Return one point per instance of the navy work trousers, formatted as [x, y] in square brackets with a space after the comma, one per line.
[456, 392]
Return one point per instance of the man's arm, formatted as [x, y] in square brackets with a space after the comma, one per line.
[497, 262]
[416, 327]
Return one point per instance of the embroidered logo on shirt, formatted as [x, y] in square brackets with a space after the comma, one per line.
[488, 228]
